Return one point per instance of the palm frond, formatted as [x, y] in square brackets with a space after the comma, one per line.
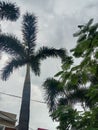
[11, 45]
[10, 66]
[51, 92]
[29, 30]
[9, 11]
[78, 95]
[63, 101]
[93, 79]
[35, 65]
[45, 52]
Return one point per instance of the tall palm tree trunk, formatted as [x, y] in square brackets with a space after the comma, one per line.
[25, 105]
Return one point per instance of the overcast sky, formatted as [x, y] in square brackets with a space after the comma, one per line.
[57, 21]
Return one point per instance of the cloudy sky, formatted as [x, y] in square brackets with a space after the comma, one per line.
[57, 21]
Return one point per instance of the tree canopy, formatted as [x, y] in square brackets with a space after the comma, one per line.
[77, 84]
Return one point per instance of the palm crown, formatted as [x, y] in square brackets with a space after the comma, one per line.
[23, 53]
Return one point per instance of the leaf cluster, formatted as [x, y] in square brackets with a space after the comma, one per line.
[79, 83]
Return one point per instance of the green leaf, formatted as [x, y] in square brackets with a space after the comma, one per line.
[77, 33]
[81, 38]
[58, 74]
[89, 22]
[93, 28]
[96, 55]
[74, 79]
[76, 68]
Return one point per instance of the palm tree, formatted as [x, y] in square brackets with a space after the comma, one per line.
[68, 93]
[23, 53]
[55, 91]
[52, 91]
[9, 11]
[55, 94]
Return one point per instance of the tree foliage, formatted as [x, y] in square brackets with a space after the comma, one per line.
[79, 83]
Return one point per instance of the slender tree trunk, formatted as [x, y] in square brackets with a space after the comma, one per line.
[25, 105]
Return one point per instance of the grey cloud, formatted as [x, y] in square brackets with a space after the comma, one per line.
[92, 5]
[57, 21]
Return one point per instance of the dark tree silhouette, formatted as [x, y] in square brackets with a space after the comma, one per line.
[23, 53]
[9, 11]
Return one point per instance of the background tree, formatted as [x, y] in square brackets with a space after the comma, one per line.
[23, 53]
[55, 90]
